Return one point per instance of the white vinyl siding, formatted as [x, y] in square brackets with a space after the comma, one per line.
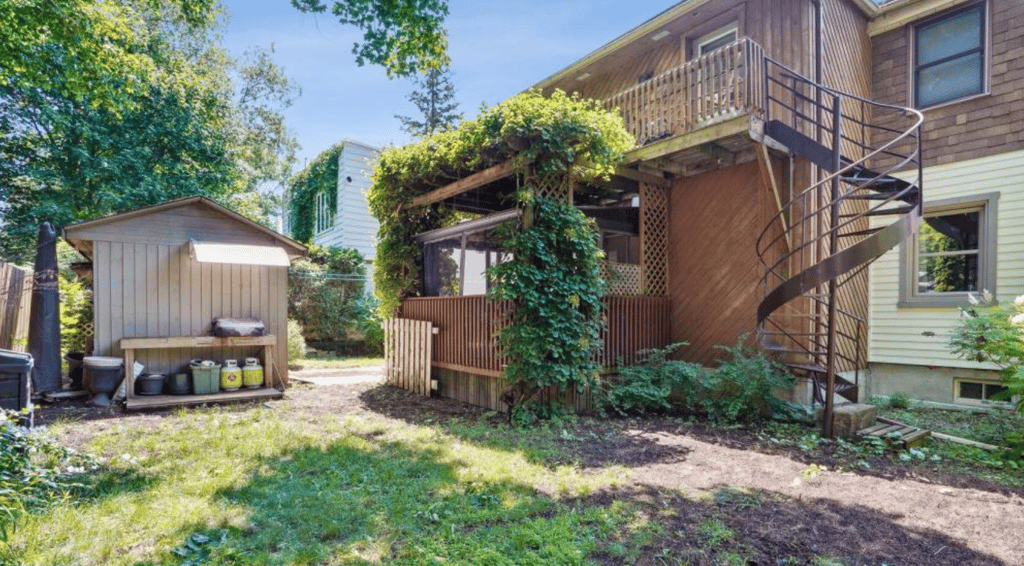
[354, 227]
[919, 335]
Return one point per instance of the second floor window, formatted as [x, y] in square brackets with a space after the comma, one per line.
[950, 57]
[322, 209]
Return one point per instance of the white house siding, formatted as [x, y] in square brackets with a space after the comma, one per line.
[901, 338]
[354, 227]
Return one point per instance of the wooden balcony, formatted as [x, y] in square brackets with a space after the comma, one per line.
[723, 88]
[467, 341]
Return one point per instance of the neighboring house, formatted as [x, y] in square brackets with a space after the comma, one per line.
[963, 66]
[779, 156]
[352, 225]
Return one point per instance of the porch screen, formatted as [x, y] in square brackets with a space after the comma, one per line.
[455, 259]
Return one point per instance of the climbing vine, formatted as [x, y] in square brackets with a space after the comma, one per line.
[320, 175]
[552, 135]
[553, 276]
[554, 280]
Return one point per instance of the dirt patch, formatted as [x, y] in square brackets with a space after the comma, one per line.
[716, 493]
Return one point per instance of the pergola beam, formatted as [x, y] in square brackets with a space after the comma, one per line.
[466, 184]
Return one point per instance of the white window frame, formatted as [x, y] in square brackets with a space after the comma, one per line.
[732, 27]
[985, 56]
[983, 402]
[322, 210]
[986, 205]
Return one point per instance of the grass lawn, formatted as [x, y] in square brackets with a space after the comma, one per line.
[314, 480]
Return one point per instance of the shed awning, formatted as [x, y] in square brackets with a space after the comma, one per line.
[210, 252]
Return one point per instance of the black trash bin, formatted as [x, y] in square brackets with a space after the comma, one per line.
[15, 379]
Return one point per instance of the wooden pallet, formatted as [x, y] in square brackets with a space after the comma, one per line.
[899, 434]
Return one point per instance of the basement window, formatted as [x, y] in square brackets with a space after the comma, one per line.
[949, 57]
[970, 392]
[953, 254]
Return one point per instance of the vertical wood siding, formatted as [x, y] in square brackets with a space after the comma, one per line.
[152, 290]
[407, 353]
[15, 302]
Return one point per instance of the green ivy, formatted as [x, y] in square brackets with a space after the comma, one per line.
[554, 280]
[557, 135]
[320, 175]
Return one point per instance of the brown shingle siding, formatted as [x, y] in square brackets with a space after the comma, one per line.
[980, 126]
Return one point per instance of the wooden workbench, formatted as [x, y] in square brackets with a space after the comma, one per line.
[133, 401]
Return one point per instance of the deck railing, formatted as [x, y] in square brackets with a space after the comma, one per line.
[468, 326]
[716, 86]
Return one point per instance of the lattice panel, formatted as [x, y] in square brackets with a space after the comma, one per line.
[623, 279]
[654, 239]
[552, 186]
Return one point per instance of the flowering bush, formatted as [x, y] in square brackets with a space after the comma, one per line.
[995, 333]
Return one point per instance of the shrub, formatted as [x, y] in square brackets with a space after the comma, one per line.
[899, 401]
[325, 291]
[743, 387]
[647, 386]
[995, 333]
[296, 343]
[75, 315]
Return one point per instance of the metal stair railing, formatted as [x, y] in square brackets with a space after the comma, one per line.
[826, 235]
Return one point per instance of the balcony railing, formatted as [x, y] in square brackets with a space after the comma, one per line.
[716, 86]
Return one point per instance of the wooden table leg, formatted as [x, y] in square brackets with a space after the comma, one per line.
[268, 365]
[129, 374]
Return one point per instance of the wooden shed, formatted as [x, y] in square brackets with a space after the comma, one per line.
[161, 274]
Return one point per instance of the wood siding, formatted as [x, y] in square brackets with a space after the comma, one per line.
[785, 28]
[714, 273]
[467, 341]
[846, 63]
[974, 128]
[145, 284]
[15, 302]
[920, 335]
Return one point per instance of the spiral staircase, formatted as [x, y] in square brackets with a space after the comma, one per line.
[815, 250]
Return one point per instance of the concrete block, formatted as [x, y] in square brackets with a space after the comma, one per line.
[850, 418]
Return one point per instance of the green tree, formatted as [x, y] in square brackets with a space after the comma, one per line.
[403, 36]
[436, 101]
[97, 42]
[206, 124]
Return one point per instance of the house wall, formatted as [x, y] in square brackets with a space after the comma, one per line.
[986, 125]
[354, 226]
[791, 44]
[145, 284]
[714, 273]
[907, 344]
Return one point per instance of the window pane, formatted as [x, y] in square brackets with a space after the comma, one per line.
[950, 36]
[970, 390]
[948, 274]
[991, 390]
[950, 80]
[716, 43]
[950, 232]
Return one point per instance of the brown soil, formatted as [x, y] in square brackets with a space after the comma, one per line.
[780, 508]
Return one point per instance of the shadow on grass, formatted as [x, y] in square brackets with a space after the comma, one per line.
[584, 442]
[764, 527]
[365, 502]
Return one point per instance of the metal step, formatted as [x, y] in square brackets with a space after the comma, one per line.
[867, 232]
[882, 195]
[882, 211]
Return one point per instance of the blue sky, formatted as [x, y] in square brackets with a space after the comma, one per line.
[498, 48]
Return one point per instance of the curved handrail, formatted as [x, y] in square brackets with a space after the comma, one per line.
[822, 260]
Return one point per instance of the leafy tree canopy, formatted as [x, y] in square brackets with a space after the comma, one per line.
[403, 36]
[199, 123]
[98, 42]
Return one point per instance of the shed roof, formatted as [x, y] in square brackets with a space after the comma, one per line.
[81, 235]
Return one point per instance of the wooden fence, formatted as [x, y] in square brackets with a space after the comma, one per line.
[15, 303]
[468, 326]
[722, 84]
[407, 347]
